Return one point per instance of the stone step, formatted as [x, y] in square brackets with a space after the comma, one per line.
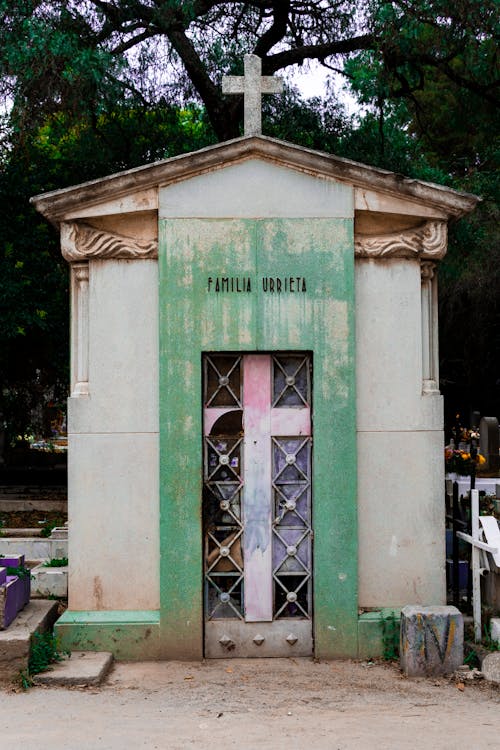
[37, 616]
[82, 668]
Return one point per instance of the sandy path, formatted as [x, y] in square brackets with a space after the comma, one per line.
[275, 703]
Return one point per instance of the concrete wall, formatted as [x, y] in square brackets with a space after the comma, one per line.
[113, 445]
[114, 545]
[400, 441]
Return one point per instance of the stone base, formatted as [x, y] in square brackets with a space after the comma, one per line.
[432, 640]
[131, 635]
[371, 632]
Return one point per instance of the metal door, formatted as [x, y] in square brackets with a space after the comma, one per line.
[257, 504]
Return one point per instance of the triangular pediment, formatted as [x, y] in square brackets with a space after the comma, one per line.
[137, 190]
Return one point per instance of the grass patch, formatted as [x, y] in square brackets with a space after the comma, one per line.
[56, 562]
[49, 525]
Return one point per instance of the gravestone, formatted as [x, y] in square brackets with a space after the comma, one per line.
[489, 443]
[229, 307]
[432, 640]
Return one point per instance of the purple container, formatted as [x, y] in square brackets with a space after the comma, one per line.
[13, 561]
[11, 601]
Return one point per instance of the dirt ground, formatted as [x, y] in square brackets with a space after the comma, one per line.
[31, 519]
[247, 704]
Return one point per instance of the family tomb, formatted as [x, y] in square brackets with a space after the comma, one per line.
[255, 428]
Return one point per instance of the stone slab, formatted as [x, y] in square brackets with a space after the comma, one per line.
[82, 668]
[432, 640]
[34, 548]
[495, 629]
[491, 667]
[49, 582]
[37, 616]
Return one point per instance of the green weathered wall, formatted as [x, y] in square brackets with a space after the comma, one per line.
[321, 320]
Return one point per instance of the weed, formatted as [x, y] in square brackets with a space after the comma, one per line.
[390, 636]
[56, 562]
[487, 641]
[44, 651]
[48, 526]
[472, 660]
[20, 571]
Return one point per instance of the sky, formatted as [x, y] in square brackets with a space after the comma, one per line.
[313, 82]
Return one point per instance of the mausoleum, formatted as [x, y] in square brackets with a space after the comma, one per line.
[255, 424]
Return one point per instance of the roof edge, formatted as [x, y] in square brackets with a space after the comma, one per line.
[53, 205]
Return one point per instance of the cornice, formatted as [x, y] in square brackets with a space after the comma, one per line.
[58, 204]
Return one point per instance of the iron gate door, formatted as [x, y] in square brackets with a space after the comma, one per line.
[257, 504]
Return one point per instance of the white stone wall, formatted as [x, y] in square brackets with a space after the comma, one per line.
[113, 445]
[400, 443]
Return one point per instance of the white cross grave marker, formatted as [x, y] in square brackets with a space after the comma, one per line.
[477, 545]
[252, 85]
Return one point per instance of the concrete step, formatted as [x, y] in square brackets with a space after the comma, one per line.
[82, 668]
[36, 617]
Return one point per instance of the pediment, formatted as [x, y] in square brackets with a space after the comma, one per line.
[375, 191]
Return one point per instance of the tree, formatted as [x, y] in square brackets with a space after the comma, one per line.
[34, 293]
[68, 54]
[96, 86]
[441, 122]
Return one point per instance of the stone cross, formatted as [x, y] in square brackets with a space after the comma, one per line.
[252, 85]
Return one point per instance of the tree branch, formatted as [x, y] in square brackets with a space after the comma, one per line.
[209, 93]
[320, 51]
[276, 31]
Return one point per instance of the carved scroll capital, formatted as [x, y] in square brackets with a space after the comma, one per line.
[81, 271]
[83, 242]
[427, 270]
[429, 240]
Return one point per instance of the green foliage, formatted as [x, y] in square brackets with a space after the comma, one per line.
[93, 88]
[390, 636]
[56, 562]
[487, 641]
[49, 525]
[44, 651]
[34, 295]
[19, 570]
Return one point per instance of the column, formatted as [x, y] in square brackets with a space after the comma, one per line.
[429, 312]
[80, 330]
